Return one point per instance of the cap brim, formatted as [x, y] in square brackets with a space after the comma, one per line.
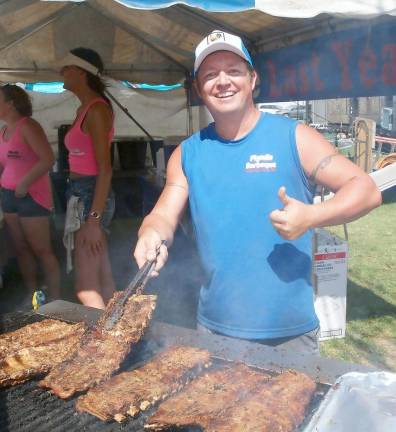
[219, 46]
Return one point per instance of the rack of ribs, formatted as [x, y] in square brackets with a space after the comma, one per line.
[38, 333]
[134, 391]
[206, 397]
[278, 405]
[101, 351]
[35, 349]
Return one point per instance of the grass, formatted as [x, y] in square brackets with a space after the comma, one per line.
[371, 292]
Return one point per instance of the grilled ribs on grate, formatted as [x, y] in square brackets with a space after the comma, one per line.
[35, 349]
[206, 397]
[278, 405]
[134, 391]
[38, 333]
[238, 399]
[101, 351]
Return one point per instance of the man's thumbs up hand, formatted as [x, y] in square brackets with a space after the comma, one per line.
[285, 199]
[292, 220]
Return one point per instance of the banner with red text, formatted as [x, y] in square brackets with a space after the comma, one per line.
[352, 63]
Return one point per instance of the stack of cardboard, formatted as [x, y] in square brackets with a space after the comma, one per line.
[330, 259]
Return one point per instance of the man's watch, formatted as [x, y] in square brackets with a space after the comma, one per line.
[95, 215]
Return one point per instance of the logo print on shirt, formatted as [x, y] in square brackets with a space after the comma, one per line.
[260, 163]
[13, 154]
[77, 152]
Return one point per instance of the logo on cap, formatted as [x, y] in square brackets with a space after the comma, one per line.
[215, 36]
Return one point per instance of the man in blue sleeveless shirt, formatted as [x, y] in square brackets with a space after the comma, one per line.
[248, 179]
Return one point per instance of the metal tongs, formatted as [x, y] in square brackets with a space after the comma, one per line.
[136, 286]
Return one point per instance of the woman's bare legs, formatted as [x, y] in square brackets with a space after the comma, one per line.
[37, 234]
[25, 257]
[93, 277]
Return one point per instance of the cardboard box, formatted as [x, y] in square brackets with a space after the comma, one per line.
[330, 259]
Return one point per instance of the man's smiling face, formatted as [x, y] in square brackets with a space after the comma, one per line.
[225, 83]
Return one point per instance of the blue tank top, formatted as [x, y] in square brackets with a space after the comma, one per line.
[257, 285]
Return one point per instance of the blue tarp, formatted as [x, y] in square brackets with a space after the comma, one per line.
[156, 87]
[281, 8]
[208, 5]
[358, 62]
[57, 87]
[51, 87]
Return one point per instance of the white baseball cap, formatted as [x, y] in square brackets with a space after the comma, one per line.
[220, 41]
[72, 60]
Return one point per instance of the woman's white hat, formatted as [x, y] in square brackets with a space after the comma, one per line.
[73, 60]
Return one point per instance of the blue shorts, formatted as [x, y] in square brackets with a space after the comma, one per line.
[84, 188]
[23, 207]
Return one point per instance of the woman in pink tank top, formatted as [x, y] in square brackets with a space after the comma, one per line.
[26, 199]
[89, 143]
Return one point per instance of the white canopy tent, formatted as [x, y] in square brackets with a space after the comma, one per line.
[153, 41]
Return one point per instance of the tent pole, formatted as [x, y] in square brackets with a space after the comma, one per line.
[307, 112]
[188, 88]
[126, 112]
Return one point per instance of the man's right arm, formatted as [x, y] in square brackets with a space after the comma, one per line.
[161, 223]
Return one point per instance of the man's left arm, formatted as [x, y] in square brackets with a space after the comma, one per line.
[355, 192]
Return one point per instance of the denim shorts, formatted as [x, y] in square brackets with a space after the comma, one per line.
[23, 207]
[84, 188]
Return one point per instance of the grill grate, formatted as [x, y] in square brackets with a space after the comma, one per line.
[26, 407]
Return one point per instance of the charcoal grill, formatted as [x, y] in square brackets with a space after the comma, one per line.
[26, 408]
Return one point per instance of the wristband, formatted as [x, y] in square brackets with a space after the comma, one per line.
[95, 215]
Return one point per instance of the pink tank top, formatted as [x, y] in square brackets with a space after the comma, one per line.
[17, 159]
[82, 158]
